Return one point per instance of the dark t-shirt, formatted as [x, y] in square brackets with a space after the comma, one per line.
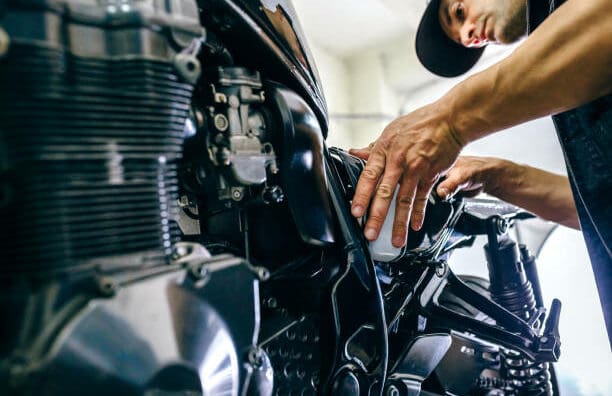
[585, 134]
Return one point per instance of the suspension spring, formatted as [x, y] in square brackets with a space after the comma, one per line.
[485, 385]
[511, 289]
[534, 379]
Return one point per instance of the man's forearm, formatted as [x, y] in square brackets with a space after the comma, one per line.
[566, 62]
[545, 194]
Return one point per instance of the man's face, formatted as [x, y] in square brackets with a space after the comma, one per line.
[475, 23]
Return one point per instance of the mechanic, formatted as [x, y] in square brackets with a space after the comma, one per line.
[563, 68]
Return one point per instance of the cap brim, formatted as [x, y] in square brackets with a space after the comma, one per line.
[437, 52]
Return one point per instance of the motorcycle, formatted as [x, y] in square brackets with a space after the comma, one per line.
[174, 223]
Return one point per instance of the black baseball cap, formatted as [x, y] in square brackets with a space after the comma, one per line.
[437, 52]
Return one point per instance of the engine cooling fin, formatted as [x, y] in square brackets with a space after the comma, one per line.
[88, 146]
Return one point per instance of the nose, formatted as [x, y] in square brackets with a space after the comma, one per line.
[467, 34]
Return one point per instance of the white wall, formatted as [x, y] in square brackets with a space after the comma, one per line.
[333, 72]
[366, 90]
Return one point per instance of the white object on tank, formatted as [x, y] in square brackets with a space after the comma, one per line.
[382, 249]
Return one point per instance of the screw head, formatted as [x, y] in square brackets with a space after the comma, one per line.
[107, 286]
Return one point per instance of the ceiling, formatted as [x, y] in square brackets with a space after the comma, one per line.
[343, 27]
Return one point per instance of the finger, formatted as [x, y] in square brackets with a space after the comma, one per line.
[363, 153]
[381, 202]
[368, 180]
[420, 205]
[405, 199]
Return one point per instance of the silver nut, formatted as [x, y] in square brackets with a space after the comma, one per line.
[237, 194]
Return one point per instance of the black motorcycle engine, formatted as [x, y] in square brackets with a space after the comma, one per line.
[95, 105]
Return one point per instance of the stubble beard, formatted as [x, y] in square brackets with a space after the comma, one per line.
[514, 19]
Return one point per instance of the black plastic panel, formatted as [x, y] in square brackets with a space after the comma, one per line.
[303, 167]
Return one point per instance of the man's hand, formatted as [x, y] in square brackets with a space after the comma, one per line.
[545, 194]
[471, 176]
[414, 150]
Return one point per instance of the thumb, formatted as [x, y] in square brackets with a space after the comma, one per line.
[449, 186]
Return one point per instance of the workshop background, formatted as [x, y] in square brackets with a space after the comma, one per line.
[364, 51]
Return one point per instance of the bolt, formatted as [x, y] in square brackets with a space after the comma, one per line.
[107, 286]
[256, 356]
[236, 194]
[5, 42]
[271, 302]
[502, 225]
[272, 195]
[544, 339]
[181, 250]
[263, 274]
[199, 271]
[441, 269]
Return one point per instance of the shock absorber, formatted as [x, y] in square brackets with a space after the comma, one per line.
[511, 288]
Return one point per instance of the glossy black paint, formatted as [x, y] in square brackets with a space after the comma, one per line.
[303, 167]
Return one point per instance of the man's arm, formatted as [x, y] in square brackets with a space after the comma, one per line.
[566, 62]
[545, 194]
